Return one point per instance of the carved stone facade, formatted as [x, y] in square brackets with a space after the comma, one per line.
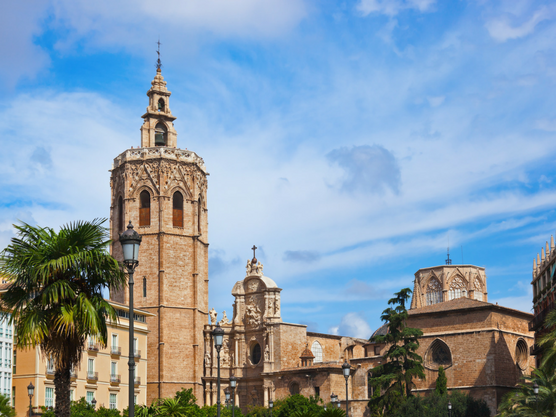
[162, 190]
[266, 353]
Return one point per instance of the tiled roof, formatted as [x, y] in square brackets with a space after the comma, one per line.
[463, 303]
[381, 331]
[307, 353]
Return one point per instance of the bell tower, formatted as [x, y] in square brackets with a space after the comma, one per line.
[162, 190]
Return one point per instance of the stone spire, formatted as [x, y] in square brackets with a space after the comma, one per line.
[158, 126]
[542, 254]
[547, 251]
[551, 243]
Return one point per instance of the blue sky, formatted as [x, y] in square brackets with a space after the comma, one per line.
[352, 141]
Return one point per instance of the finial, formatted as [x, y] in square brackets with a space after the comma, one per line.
[448, 260]
[158, 61]
[254, 260]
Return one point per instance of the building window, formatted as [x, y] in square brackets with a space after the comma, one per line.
[377, 350]
[91, 368]
[145, 208]
[90, 397]
[135, 351]
[434, 292]
[114, 342]
[177, 209]
[370, 388]
[160, 104]
[144, 287]
[49, 397]
[113, 369]
[294, 388]
[478, 290]
[113, 402]
[317, 391]
[15, 361]
[521, 354]
[255, 354]
[13, 396]
[316, 349]
[135, 399]
[50, 366]
[120, 215]
[438, 354]
[160, 134]
[457, 288]
[71, 395]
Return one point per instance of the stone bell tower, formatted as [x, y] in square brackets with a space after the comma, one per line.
[162, 190]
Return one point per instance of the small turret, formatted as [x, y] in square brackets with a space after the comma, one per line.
[307, 356]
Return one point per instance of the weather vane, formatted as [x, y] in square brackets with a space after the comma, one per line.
[158, 62]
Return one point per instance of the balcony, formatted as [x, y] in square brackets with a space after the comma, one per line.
[538, 320]
[92, 347]
[115, 379]
[50, 373]
[92, 376]
[137, 354]
[115, 350]
[137, 381]
[73, 375]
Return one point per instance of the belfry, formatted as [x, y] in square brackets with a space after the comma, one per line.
[162, 190]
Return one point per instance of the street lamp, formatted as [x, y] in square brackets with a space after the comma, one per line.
[346, 369]
[130, 241]
[218, 334]
[227, 394]
[94, 403]
[536, 390]
[270, 405]
[30, 391]
[233, 384]
[450, 408]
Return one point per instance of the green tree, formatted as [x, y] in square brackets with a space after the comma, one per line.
[6, 409]
[441, 382]
[436, 405]
[55, 295]
[332, 412]
[395, 377]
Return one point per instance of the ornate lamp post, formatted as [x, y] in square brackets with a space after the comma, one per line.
[450, 408]
[218, 334]
[130, 241]
[94, 403]
[227, 394]
[346, 369]
[536, 390]
[233, 384]
[30, 391]
[270, 406]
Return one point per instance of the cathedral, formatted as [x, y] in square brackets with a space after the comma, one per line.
[162, 190]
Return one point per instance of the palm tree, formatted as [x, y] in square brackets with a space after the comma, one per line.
[55, 294]
[171, 407]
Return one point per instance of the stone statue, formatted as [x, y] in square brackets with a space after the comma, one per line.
[207, 360]
[213, 314]
[269, 307]
[277, 306]
[224, 319]
[252, 313]
[266, 353]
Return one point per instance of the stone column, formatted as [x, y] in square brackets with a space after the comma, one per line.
[265, 395]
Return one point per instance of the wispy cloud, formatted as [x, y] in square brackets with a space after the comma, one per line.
[393, 7]
[354, 325]
[304, 256]
[502, 29]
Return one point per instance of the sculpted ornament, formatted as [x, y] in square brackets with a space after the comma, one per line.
[224, 319]
[254, 269]
[213, 315]
[252, 313]
[253, 285]
[266, 354]
[207, 360]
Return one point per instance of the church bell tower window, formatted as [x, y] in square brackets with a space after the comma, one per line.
[160, 134]
[178, 209]
[120, 222]
[145, 209]
[161, 104]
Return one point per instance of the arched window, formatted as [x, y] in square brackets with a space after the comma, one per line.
[255, 354]
[160, 134]
[438, 354]
[316, 348]
[457, 288]
[434, 292]
[521, 354]
[478, 293]
[178, 209]
[199, 211]
[120, 222]
[145, 208]
[161, 104]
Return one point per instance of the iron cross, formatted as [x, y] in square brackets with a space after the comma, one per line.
[254, 248]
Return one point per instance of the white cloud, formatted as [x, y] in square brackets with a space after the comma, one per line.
[501, 28]
[393, 7]
[354, 325]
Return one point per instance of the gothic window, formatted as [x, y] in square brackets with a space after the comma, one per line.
[144, 287]
[438, 354]
[434, 292]
[161, 104]
[316, 348]
[457, 288]
[178, 209]
[160, 134]
[478, 290]
[370, 388]
[145, 208]
[521, 354]
[255, 354]
[120, 215]
[199, 211]
[294, 388]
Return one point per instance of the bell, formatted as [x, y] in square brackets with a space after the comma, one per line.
[159, 139]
